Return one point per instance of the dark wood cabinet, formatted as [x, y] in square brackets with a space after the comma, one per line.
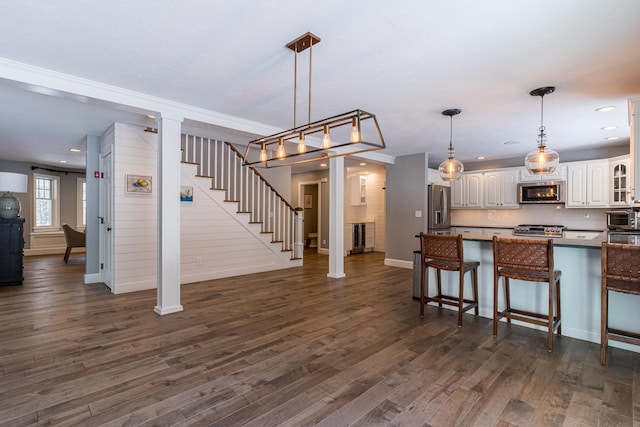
[11, 249]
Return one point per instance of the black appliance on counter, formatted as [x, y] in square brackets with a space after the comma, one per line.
[535, 230]
[624, 219]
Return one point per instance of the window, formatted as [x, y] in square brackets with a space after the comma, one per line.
[46, 202]
[81, 203]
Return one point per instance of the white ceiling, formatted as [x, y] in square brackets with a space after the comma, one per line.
[404, 61]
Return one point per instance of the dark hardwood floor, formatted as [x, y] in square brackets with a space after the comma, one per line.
[292, 348]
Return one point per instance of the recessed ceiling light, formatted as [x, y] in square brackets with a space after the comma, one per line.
[607, 108]
[151, 116]
[363, 164]
[63, 161]
[612, 138]
[609, 128]
[480, 158]
[323, 165]
[512, 142]
[74, 150]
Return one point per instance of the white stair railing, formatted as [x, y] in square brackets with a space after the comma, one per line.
[223, 163]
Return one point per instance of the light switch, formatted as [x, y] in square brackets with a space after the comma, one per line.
[418, 214]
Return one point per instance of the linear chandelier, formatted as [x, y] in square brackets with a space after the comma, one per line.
[345, 134]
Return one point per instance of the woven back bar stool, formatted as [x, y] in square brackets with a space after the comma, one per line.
[442, 252]
[532, 261]
[620, 273]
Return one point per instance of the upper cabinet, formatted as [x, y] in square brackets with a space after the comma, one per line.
[467, 192]
[358, 190]
[501, 189]
[588, 184]
[619, 182]
[559, 174]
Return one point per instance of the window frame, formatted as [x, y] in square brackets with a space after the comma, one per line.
[81, 203]
[55, 203]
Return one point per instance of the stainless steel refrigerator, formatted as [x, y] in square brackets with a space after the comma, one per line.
[439, 208]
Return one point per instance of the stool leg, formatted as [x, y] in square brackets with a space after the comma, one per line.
[474, 278]
[558, 308]
[550, 317]
[507, 298]
[460, 296]
[422, 290]
[439, 286]
[604, 324]
[496, 280]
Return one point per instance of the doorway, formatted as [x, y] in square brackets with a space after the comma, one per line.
[309, 196]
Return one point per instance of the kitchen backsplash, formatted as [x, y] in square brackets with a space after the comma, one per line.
[576, 219]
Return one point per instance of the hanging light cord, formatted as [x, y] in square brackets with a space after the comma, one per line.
[295, 85]
[450, 136]
[542, 142]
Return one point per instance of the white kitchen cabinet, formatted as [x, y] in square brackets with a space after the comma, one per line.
[467, 230]
[467, 192]
[586, 235]
[619, 182]
[358, 190]
[501, 189]
[588, 184]
[497, 231]
[560, 174]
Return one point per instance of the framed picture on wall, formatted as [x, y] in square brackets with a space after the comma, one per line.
[139, 184]
[308, 201]
[186, 194]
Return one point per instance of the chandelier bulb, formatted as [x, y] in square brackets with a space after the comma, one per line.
[326, 138]
[302, 147]
[263, 153]
[281, 153]
[355, 131]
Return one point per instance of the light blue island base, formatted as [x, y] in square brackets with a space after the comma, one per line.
[580, 292]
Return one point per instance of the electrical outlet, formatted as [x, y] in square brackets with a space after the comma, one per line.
[324, 242]
[199, 260]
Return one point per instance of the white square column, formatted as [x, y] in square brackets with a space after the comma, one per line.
[169, 216]
[336, 218]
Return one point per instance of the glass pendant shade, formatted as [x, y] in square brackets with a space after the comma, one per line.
[542, 160]
[451, 169]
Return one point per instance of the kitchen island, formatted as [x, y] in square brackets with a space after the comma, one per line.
[580, 263]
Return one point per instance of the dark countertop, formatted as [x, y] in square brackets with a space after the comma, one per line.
[557, 241]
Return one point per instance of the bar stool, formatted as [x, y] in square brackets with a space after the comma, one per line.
[528, 260]
[620, 273]
[443, 252]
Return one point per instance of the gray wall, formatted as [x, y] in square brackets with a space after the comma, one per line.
[406, 194]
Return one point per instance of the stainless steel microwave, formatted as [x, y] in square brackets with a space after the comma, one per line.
[623, 219]
[541, 192]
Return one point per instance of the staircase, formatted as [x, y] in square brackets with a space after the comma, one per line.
[243, 192]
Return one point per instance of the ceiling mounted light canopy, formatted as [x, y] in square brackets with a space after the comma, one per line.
[451, 169]
[340, 135]
[542, 160]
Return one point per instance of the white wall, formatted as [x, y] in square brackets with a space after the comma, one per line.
[135, 219]
[215, 242]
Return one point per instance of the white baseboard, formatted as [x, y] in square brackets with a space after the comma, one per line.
[398, 263]
[51, 251]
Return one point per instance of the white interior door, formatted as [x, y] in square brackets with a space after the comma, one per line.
[106, 213]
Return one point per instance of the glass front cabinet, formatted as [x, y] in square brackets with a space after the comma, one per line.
[619, 176]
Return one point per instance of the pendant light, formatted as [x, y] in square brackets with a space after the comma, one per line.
[451, 169]
[542, 160]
